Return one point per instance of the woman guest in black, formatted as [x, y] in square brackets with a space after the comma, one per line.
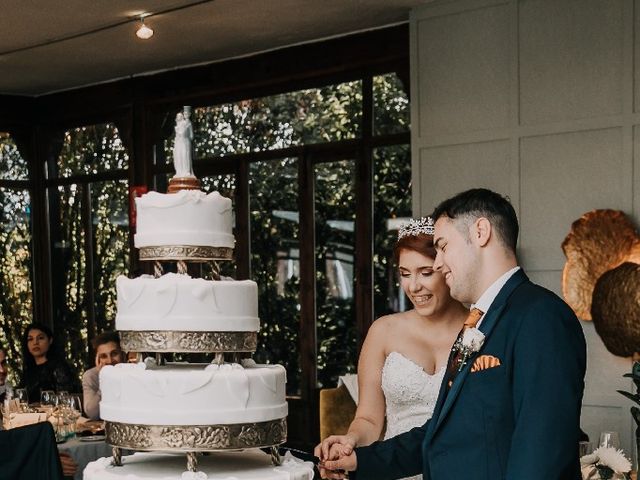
[44, 367]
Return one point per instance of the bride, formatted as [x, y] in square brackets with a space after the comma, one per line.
[404, 356]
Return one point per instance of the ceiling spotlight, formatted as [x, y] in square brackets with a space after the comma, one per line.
[143, 31]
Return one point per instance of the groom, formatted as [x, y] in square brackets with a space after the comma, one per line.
[512, 409]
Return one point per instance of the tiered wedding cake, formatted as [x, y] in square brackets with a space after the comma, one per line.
[224, 406]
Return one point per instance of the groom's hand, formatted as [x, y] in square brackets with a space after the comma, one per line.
[338, 469]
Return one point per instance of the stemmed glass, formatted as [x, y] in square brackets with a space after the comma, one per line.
[47, 401]
[73, 412]
[58, 414]
[21, 395]
[610, 439]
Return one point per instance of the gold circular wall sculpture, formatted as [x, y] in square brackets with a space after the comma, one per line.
[599, 241]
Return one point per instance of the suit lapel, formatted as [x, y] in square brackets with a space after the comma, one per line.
[489, 321]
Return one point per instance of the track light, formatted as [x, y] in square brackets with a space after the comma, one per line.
[143, 31]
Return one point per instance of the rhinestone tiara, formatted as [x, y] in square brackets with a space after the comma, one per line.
[422, 226]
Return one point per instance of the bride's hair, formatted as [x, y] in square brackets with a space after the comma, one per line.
[421, 243]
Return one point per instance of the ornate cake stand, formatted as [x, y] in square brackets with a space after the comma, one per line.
[192, 439]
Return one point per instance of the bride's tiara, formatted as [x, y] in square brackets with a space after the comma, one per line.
[422, 226]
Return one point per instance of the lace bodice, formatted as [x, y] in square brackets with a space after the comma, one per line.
[410, 393]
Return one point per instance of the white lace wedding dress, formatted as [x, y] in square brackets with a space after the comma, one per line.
[410, 394]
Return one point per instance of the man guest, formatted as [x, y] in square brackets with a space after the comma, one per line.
[107, 347]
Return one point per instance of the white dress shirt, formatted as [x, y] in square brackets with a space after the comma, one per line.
[490, 294]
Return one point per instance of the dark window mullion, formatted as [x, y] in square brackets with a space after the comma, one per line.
[243, 222]
[94, 177]
[308, 336]
[86, 219]
[364, 218]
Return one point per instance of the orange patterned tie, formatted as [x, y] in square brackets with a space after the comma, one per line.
[472, 320]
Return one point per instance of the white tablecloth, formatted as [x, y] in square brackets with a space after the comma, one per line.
[85, 452]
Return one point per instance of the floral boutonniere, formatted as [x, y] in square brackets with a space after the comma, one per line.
[470, 342]
[605, 463]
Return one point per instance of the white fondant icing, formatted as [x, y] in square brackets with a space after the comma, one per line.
[246, 465]
[192, 394]
[187, 217]
[169, 303]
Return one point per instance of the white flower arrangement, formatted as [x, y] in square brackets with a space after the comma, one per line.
[607, 462]
[472, 339]
[471, 342]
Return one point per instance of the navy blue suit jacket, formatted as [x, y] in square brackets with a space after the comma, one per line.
[517, 421]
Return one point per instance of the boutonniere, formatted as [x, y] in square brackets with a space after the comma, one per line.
[470, 342]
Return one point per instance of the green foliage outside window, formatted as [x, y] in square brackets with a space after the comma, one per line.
[90, 150]
[324, 114]
[335, 259]
[15, 272]
[275, 263]
[15, 253]
[392, 199]
[12, 165]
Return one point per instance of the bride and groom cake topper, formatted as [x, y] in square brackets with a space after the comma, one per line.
[184, 179]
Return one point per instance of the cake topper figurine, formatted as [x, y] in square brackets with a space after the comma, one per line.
[184, 178]
[423, 226]
[182, 144]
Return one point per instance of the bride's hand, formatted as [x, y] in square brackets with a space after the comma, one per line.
[339, 450]
[344, 446]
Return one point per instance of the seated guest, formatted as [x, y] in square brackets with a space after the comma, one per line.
[107, 347]
[5, 388]
[44, 367]
[31, 452]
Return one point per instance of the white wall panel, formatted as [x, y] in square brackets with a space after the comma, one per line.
[603, 407]
[539, 100]
[549, 279]
[570, 59]
[465, 77]
[445, 171]
[563, 176]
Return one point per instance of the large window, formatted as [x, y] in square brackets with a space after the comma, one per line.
[16, 303]
[268, 153]
[314, 154]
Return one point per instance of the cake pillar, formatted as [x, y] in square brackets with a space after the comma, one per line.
[117, 456]
[192, 462]
[276, 459]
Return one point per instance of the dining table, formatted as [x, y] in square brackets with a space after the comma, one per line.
[84, 450]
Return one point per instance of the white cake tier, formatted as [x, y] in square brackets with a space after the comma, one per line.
[178, 302]
[192, 394]
[187, 217]
[247, 465]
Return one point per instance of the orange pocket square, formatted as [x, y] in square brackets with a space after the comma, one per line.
[485, 361]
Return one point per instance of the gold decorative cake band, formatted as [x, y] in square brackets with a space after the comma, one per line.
[186, 252]
[196, 438]
[202, 342]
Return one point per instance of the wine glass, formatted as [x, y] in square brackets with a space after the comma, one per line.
[46, 397]
[21, 395]
[73, 412]
[610, 439]
[585, 448]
